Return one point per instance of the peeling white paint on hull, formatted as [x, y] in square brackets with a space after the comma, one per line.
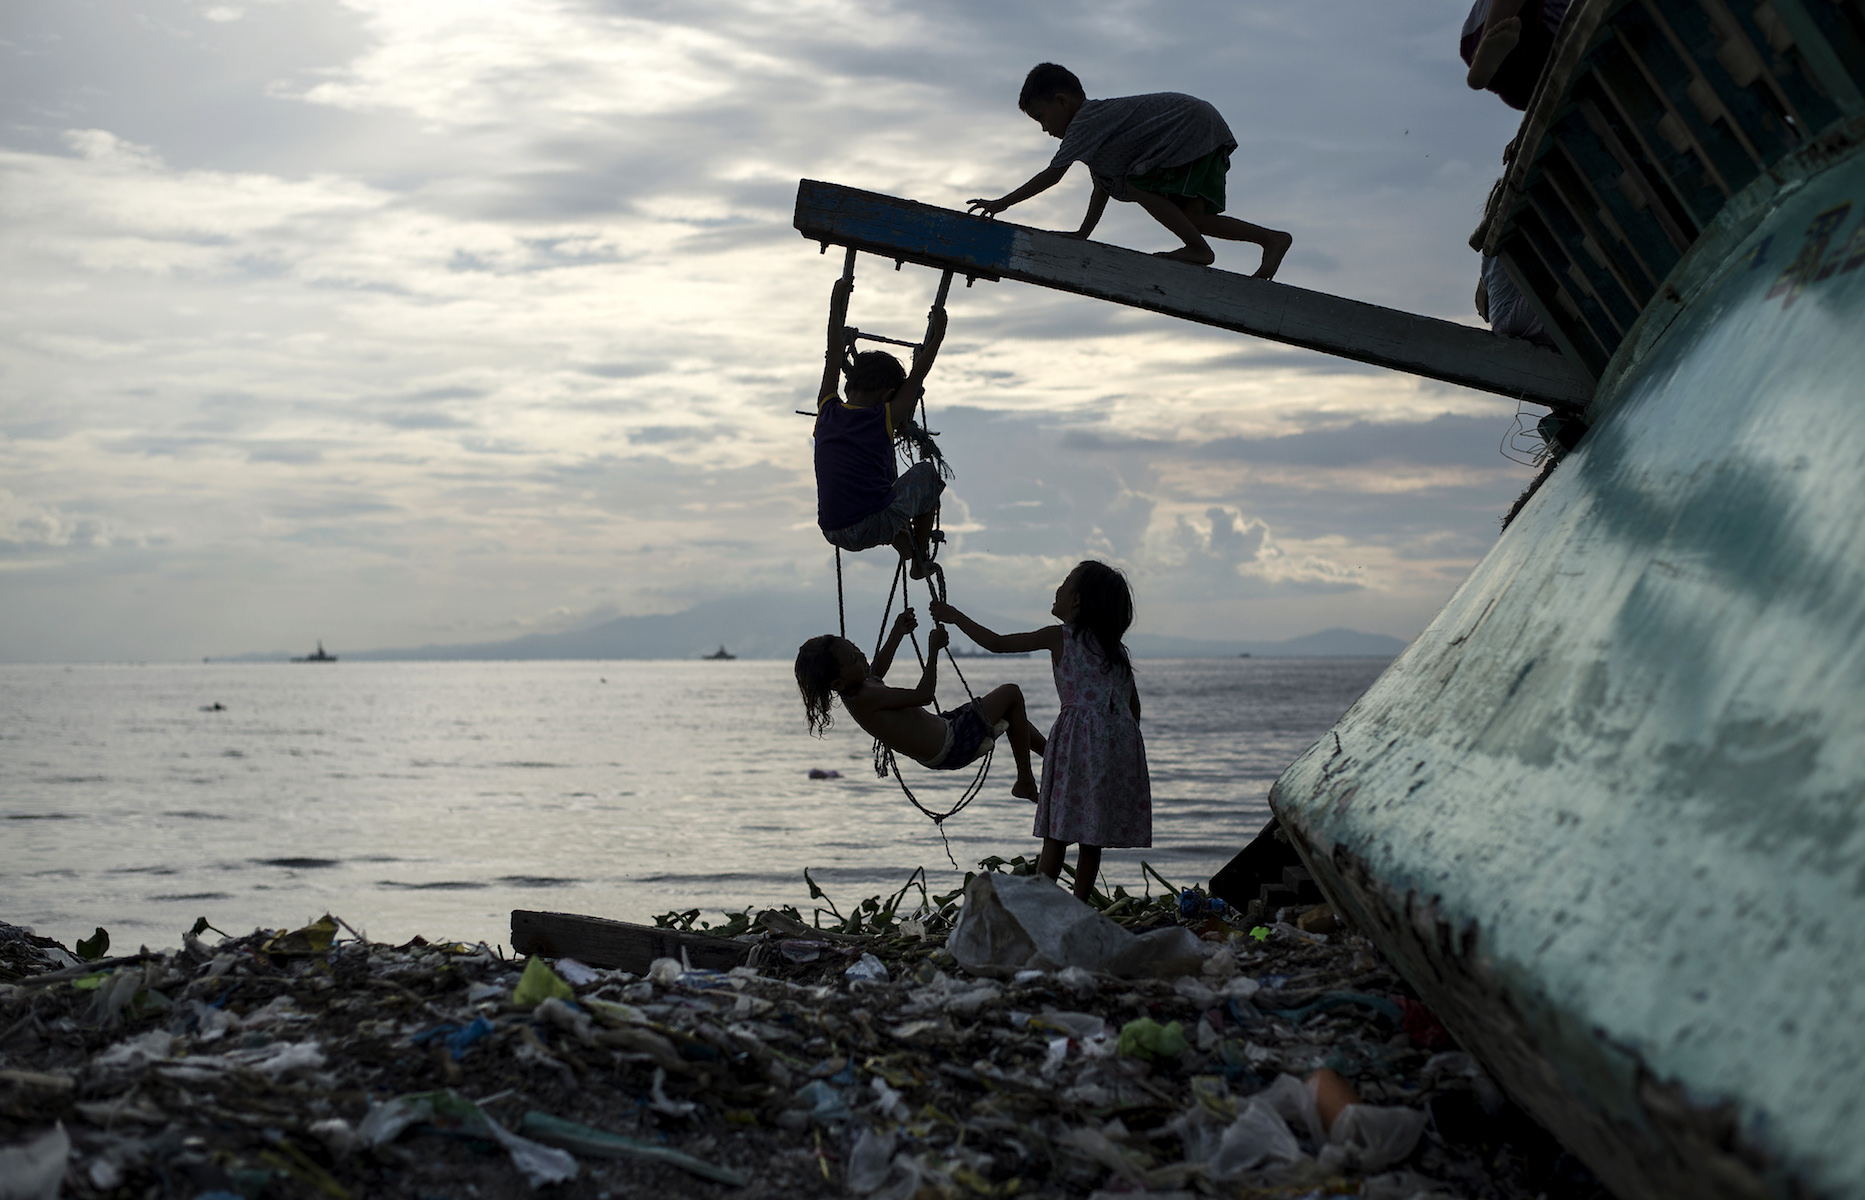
[1608, 811]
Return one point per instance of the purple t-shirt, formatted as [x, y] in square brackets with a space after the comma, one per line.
[855, 469]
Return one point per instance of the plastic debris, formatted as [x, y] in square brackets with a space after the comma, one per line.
[449, 1111]
[457, 1038]
[314, 938]
[880, 1067]
[538, 984]
[595, 1143]
[1011, 923]
[1148, 1039]
[35, 1170]
[577, 974]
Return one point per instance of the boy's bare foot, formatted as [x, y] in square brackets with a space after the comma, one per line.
[1190, 254]
[920, 568]
[1272, 256]
[1025, 788]
[1498, 41]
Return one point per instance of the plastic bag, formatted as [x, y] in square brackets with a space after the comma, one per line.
[1014, 923]
[448, 1110]
[35, 1170]
[1376, 1137]
[1146, 1038]
[870, 1162]
[1257, 1138]
[867, 968]
[538, 984]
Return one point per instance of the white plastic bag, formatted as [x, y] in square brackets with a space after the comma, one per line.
[1258, 1138]
[1377, 1137]
[870, 1162]
[1014, 923]
[35, 1170]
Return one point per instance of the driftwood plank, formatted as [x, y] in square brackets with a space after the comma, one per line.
[938, 237]
[601, 942]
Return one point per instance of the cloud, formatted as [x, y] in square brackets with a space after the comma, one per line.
[420, 315]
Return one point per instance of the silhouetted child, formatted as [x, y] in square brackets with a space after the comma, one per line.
[1165, 151]
[861, 498]
[898, 718]
[1096, 791]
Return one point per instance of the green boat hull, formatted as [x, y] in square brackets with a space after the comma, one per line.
[1608, 812]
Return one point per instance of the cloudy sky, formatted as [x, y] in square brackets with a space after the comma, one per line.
[404, 321]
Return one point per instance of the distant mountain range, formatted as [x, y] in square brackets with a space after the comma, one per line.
[773, 626]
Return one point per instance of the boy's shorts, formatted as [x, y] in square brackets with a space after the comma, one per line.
[915, 492]
[1201, 177]
[965, 735]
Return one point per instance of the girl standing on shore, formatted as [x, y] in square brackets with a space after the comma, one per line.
[1095, 791]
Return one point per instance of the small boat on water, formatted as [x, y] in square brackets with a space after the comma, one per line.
[320, 656]
[719, 655]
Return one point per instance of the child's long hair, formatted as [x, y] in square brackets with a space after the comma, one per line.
[817, 669]
[1106, 611]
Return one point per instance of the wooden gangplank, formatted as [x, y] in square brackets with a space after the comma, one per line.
[908, 231]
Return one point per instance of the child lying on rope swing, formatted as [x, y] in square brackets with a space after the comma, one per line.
[898, 718]
[861, 500]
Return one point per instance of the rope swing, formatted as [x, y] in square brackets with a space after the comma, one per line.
[917, 444]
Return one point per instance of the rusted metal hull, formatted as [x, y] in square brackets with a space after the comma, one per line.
[1608, 812]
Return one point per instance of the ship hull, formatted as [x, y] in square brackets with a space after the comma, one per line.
[1607, 813]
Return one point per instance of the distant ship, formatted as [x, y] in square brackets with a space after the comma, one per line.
[320, 656]
[720, 655]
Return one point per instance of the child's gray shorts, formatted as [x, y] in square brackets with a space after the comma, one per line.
[915, 492]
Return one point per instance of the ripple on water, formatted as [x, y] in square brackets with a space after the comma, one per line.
[537, 881]
[299, 864]
[438, 885]
[171, 896]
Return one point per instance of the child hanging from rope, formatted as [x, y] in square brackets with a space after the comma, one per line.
[1167, 151]
[861, 500]
[898, 718]
[1095, 787]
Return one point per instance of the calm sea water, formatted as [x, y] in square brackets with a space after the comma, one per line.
[433, 798]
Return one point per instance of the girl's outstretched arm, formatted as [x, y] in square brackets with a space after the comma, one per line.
[1049, 638]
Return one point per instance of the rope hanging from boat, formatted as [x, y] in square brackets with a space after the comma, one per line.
[884, 759]
[917, 440]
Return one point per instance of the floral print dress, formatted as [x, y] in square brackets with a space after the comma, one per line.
[1095, 788]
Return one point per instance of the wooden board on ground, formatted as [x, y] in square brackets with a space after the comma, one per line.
[621, 945]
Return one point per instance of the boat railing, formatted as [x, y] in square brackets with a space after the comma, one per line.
[1651, 116]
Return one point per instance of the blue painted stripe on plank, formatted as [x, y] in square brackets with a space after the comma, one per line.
[935, 234]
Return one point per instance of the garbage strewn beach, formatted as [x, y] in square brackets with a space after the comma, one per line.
[1004, 1042]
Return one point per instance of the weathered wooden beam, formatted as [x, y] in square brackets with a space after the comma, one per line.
[600, 942]
[908, 231]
